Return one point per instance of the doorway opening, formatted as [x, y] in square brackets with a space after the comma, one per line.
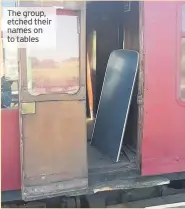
[110, 26]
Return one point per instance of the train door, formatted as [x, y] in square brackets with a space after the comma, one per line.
[164, 108]
[52, 112]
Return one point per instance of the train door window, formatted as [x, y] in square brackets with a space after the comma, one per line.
[56, 70]
[182, 78]
[9, 76]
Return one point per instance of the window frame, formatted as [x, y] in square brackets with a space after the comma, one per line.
[180, 35]
[81, 94]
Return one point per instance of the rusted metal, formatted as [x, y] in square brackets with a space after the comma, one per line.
[140, 86]
[53, 141]
[54, 189]
[28, 108]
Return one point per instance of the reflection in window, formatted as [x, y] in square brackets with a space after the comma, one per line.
[9, 76]
[56, 70]
[183, 18]
[183, 70]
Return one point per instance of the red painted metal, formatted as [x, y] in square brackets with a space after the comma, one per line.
[163, 144]
[180, 35]
[10, 149]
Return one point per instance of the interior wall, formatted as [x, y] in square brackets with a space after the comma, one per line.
[131, 27]
[113, 26]
[131, 41]
[106, 20]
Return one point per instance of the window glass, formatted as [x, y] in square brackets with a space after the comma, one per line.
[9, 76]
[183, 70]
[56, 70]
[9, 70]
[183, 18]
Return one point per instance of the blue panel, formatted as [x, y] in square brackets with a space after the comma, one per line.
[114, 102]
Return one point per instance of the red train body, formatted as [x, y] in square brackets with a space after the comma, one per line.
[161, 139]
[163, 132]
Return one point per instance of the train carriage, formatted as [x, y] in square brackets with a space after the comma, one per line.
[47, 131]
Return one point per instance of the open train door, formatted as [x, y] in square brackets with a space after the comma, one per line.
[53, 112]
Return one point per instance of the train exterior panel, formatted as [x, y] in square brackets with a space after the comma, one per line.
[164, 113]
